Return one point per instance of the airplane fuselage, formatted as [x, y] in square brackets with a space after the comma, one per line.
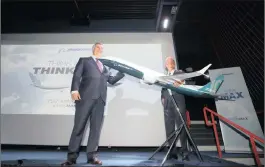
[149, 76]
[129, 68]
[189, 90]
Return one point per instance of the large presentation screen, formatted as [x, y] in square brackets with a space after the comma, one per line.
[36, 79]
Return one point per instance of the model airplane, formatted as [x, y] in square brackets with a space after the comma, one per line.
[151, 77]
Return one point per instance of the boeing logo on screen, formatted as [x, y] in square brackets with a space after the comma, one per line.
[73, 50]
[53, 70]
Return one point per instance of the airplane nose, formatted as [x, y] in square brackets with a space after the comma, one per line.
[100, 59]
[103, 61]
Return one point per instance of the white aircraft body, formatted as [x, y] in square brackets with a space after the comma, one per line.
[150, 77]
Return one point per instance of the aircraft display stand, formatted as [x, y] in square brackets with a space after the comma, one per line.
[177, 132]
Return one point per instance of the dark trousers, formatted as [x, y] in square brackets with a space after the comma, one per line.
[92, 110]
[172, 119]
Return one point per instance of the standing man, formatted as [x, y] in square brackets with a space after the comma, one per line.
[171, 116]
[89, 91]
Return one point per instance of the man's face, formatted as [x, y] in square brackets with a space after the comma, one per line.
[170, 64]
[98, 50]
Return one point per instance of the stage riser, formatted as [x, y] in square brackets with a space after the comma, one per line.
[202, 135]
[245, 161]
[45, 157]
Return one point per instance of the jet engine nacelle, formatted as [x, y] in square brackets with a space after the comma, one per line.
[148, 80]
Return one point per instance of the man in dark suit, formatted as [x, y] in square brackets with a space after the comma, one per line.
[171, 116]
[89, 91]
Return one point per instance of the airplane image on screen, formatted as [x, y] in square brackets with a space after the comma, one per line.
[37, 83]
[151, 77]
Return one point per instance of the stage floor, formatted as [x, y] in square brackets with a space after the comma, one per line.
[55, 158]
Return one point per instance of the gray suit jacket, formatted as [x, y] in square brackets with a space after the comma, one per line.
[90, 82]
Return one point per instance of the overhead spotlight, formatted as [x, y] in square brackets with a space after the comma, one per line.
[165, 23]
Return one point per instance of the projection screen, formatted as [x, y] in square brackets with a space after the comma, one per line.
[36, 74]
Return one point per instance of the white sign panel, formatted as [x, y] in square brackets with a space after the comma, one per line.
[240, 111]
[36, 79]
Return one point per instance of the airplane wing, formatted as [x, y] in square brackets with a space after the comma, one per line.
[184, 76]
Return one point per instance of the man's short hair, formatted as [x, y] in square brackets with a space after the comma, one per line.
[170, 57]
[94, 46]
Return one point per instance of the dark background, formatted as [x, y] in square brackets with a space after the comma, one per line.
[228, 34]
[224, 33]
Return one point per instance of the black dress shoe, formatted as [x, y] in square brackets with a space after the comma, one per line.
[94, 161]
[68, 163]
[184, 155]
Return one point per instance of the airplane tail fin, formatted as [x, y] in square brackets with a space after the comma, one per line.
[214, 86]
[34, 79]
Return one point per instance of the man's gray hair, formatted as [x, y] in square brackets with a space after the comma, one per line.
[94, 46]
[170, 58]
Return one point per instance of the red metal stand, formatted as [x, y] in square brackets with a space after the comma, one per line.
[252, 136]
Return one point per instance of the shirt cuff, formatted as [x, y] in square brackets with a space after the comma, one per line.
[75, 91]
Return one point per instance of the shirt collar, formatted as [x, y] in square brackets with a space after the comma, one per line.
[94, 57]
[171, 73]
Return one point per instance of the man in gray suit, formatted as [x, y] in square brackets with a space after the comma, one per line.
[171, 116]
[89, 91]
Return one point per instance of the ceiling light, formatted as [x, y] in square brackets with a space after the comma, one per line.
[165, 23]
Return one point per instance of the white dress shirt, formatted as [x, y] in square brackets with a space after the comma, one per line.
[170, 73]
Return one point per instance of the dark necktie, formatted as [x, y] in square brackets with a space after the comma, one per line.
[99, 65]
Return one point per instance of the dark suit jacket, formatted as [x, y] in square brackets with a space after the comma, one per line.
[90, 82]
[178, 97]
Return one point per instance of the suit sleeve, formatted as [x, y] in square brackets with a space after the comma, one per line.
[77, 75]
[114, 79]
[163, 93]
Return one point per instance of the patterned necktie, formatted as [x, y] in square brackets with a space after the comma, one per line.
[99, 65]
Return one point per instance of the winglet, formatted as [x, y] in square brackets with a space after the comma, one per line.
[202, 71]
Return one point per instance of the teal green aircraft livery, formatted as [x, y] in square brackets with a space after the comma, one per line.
[151, 77]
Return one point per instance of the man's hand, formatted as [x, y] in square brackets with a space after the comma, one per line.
[178, 83]
[163, 101]
[76, 96]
